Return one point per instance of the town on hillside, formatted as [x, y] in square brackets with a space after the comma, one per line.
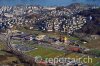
[31, 32]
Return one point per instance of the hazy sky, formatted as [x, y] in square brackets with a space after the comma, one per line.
[46, 2]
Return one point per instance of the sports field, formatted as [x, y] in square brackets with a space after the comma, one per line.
[45, 52]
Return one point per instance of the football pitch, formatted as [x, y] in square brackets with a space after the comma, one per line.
[45, 52]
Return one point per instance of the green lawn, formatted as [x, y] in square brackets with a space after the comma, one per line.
[1, 45]
[93, 44]
[97, 64]
[45, 52]
[2, 53]
[16, 42]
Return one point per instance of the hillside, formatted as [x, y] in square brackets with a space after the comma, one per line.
[93, 21]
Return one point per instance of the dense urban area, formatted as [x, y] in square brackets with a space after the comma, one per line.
[31, 32]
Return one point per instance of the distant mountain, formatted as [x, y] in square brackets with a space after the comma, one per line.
[93, 21]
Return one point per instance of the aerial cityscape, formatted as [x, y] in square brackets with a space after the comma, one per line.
[49, 33]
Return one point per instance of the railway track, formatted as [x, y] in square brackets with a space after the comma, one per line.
[20, 55]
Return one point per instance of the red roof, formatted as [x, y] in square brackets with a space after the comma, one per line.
[75, 49]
